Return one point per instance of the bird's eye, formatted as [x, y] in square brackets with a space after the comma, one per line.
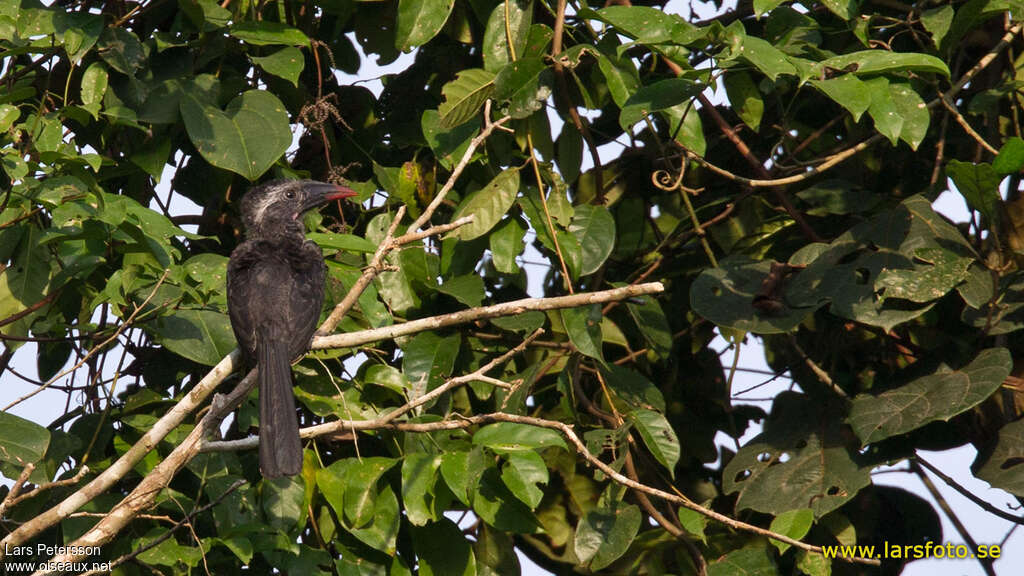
[289, 194]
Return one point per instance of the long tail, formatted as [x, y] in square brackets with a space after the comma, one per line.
[280, 446]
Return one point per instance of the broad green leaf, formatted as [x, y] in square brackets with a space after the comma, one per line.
[745, 98]
[512, 436]
[394, 285]
[442, 550]
[937, 21]
[498, 507]
[203, 336]
[693, 522]
[361, 490]
[495, 552]
[583, 325]
[621, 77]
[524, 84]
[884, 62]
[687, 129]
[464, 96]
[522, 473]
[498, 48]
[813, 564]
[594, 227]
[848, 91]
[286, 63]
[649, 25]
[488, 205]
[121, 50]
[266, 33]
[246, 139]
[8, 116]
[725, 296]
[1009, 160]
[419, 21]
[419, 474]
[659, 437]
[754, 560]
[801, 460]
[343, 242]
[930, 283]
[449, 145]
[79, 32]
[94, 86]
[506, 243]
[1001, 463]
[604, 534]
[283, 501]
[388, 377]
[838, 197]
[468, 289]
[766, 58]
[938, 396]
[911, 108]
[793, 523]
[525, 322]
[656, 97]
[570, 152]
[428, 360]
[21, 441]
[762, 7]
[633, 392]
[842, 8]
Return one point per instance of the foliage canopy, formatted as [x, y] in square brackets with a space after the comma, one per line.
[793, 204]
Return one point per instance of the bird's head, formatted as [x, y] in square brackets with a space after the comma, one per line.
[281, 202]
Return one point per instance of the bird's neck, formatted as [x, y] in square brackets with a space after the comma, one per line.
[277, 229]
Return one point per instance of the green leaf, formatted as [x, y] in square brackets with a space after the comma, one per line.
[8, 116]
[938, 396]
[498, 507]
[506, 243]
[464, 96]
[649, 25]
[386, 376]
[930, 283]
[766, 57]
[522, 473]
[793, 523]
[570, 152]
[842, 8]
[632, 390]
[442, 550]
[343, 242]
[594, 227]
[488, 205]
[583, 325]
[745, 98]
[1001, 463]
[621, 77]
[94, 86]
[121, 50]
[286, 63]
[848, 91]
[754, 560]
[266, 33]
[656, 97]
[512, 436]
[203, 336]
[419, 474]
[419, 21]
[911, 108]
[687, 129]
[693, 522]
[468, 289]
[837, 197]
[1010, 159]
[937, 22]
[246, 139]
[762, 7]
[448, 145]
[498, 48]
[284, 501]
[524, 84]
[801, 459]
[604, 534]
[525, 322]
[659, 437]
[361, 490]
[21, 441]
[725, 296]
[428, 360]
[869, 62]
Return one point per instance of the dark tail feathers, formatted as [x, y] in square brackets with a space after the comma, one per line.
[280, 446]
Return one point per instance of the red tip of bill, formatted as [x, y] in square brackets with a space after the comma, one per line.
[340, 192]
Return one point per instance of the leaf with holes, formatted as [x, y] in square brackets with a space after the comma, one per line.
[725, 296]
[925, 283]
[800, 460]
[938, 396]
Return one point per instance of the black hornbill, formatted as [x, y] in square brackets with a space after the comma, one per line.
[275, 292]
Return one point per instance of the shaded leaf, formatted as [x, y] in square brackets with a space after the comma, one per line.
[488, 205]
[21, 441]
[464, 96]
[659, 437]
[604, 534]
[419, 21]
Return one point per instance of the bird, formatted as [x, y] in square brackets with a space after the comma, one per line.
[275, 290]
